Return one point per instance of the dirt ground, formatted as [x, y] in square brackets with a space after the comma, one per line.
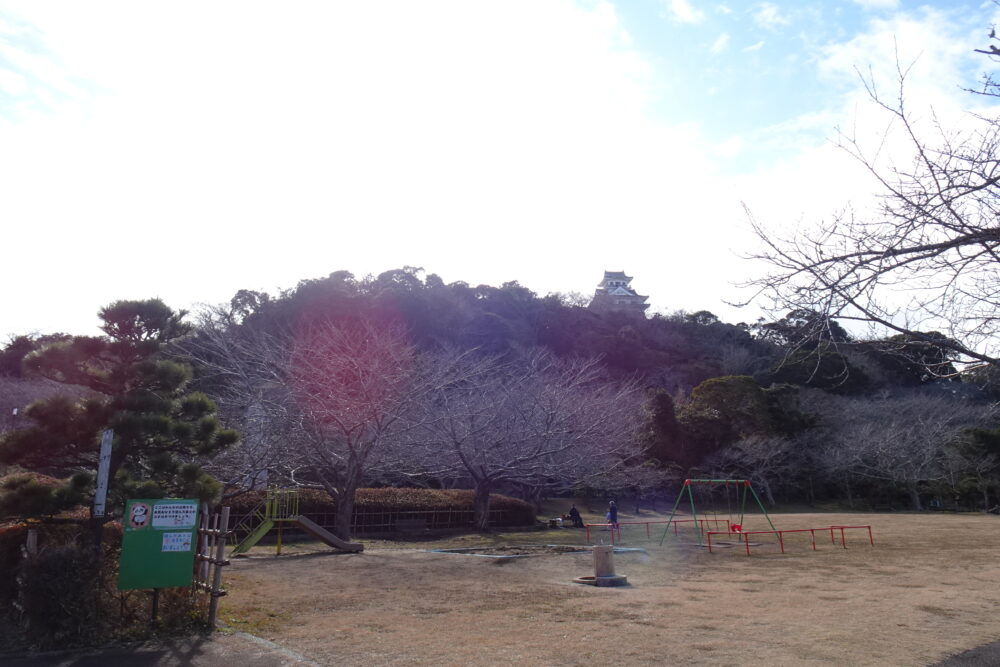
[926, 590]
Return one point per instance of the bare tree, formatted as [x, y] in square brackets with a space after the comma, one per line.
[354, 383]
[969, 465]
[740, 360]
[901, 440]
[761, 459]
[242, 369]
[927, 260]
[318, 401]
[540, 424]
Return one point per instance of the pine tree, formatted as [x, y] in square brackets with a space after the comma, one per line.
[133, 389]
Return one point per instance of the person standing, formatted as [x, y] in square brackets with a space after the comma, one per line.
[612, 514]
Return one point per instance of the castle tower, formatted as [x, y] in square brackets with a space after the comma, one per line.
[615, 293]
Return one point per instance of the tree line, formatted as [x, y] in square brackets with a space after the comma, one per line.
[400, 379]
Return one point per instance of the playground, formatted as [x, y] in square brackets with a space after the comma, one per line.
[925, 590]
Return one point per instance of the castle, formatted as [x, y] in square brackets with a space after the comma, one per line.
[615, 293]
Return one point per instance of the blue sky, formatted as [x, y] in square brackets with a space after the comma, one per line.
[255, 144]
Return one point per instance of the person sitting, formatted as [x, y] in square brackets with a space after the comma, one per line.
[574, 515]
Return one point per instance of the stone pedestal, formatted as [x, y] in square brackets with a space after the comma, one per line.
[604, 569]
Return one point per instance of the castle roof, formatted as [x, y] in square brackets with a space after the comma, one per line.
[615, 293]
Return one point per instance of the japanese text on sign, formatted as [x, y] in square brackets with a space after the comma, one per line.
[176, 542]
[175, 515]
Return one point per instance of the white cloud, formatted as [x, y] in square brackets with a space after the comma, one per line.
[877, 4]
[720, 44]
[730, 148]
[754, 47]
[815, 178]
[767, 15]
[277, 145]
[684, 12]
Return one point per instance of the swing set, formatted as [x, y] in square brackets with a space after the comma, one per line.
[736, 504]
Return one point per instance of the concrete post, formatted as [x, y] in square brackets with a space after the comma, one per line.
[604, 569]
[604, 561]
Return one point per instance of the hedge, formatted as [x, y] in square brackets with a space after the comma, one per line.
[315, 501]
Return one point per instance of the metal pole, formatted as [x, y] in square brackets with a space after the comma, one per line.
[671, 517]
[761, 506]
[694, 514]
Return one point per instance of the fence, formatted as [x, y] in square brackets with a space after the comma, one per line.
[745, 536]
[386, 522]
[616, 532]
[210, 558]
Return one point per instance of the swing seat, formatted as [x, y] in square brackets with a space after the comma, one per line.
[736, 528]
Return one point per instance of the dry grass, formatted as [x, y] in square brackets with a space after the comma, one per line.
[926, 590]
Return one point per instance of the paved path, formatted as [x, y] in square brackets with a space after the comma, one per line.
[987, 655]
[217, 650]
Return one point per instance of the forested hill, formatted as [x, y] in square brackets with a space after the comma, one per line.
[673, 352]
[797, 404]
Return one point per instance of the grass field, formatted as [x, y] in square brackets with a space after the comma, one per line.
[926, 590]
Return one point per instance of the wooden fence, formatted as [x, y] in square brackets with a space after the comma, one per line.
[213, 529]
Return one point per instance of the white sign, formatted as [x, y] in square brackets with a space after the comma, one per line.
[175, 515]
[176, 542]
[103, 467]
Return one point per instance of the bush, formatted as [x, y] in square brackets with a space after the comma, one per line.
[29, 494]
[61, 594]
[12, 536]
[69, 600]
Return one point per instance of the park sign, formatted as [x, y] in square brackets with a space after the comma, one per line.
[158, 543]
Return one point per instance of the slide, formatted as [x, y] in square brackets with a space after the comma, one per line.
[323, 534]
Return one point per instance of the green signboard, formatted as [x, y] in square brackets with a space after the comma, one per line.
[158, 545]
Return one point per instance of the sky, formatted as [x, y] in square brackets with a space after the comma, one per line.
[187, 150]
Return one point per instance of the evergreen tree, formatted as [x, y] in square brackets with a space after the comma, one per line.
[134, 390]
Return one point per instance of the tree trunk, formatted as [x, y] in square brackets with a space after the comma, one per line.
[767, 492]
[914, 496]
[847, 487]
[986, 496]
[345, 507]
[481, 504]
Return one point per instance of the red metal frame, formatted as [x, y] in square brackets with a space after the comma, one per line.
[701, 524]
[615, 528]
[781, 540]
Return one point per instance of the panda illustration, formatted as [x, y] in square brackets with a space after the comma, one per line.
[139, 516]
